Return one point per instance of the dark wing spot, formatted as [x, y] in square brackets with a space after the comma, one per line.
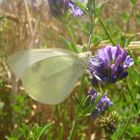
[36, 67]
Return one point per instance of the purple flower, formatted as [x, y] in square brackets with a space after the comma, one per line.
[110, 64]
[58, 7]
[102, 105]
[76, 11]
[61, 7]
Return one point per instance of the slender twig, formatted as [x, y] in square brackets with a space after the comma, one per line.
[3, 77]
[28, 16]
[6, 72]
[10, 87]
[34, 32]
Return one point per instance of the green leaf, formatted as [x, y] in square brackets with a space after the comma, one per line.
[43, 130]
[125, 17]
[85, 112]
[66, 43]
[98, 98]
[87, 101]
[133, 2]
[82, 5]
[71, 33]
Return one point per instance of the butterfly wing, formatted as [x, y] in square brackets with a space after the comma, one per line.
[51, 79]
[20, 61]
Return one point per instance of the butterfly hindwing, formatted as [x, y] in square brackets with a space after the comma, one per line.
[54, 79]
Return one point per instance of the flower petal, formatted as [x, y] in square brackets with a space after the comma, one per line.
[128, 62]
[116, 51]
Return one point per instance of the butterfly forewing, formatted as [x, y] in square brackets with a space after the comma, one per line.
[20, 61]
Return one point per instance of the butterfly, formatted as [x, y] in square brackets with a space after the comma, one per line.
[48, 75]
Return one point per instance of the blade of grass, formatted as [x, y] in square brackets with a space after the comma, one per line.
[92, 22]
[44, 129]
[66, 43]
[72, 37]
[106, 31]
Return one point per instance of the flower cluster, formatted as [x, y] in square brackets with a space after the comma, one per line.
[102, 105]
[61, 7]
[110, 64]
[58, 7]
[76, 11]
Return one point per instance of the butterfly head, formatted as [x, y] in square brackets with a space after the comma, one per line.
[85, 57]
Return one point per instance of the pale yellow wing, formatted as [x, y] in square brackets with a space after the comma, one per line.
[48, 76]
[20, 61]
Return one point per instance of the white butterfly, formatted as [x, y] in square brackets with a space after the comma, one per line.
[48, 75]
[1, 2]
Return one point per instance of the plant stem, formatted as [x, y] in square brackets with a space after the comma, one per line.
[29, 17]
[92, 21]
[72, 37]
[106, 31]
[73, 130]
[125, 126]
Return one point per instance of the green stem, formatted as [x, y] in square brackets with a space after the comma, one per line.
[72, 37]
[125, 126]
[92, 21]
[130, 16]
[73, 130]
[106, 31]
[113, 137]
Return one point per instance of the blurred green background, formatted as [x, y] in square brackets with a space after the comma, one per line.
[21, 118]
